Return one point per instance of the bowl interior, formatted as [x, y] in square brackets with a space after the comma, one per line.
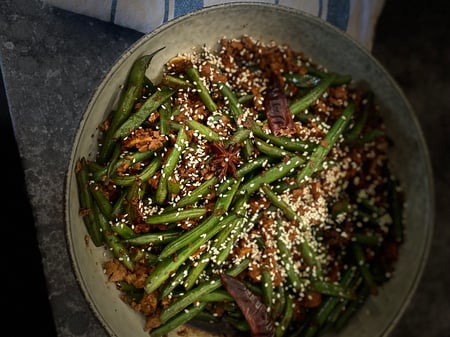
[325, 45]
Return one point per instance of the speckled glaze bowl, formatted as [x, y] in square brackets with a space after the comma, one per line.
[326, 45]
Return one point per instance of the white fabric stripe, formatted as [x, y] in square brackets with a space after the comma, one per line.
[171, 9]
[139, 14]
[363, 18]
[146, 15]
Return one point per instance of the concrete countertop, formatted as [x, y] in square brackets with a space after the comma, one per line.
[52, 61]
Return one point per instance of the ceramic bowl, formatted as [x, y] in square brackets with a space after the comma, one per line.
[326, 45]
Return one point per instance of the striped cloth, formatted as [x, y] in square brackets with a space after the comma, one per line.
[357, 18]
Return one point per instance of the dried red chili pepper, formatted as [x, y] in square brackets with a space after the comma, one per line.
[254, 311]
[278, 114]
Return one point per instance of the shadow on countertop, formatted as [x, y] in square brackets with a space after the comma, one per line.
[24, 293]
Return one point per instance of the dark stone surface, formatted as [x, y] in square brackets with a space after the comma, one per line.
[52, 61]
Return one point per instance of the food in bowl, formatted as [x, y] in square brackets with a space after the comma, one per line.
[250, 186]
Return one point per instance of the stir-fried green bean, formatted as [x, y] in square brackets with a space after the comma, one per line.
[197, 177]
[328, 142]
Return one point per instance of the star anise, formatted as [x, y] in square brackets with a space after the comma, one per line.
[225, 158]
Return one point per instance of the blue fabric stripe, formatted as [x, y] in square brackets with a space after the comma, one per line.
[166, 10]
[320, 8]
[338, 13]
[112, 16]
[186, 6]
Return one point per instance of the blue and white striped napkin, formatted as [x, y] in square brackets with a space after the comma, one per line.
[357, 18]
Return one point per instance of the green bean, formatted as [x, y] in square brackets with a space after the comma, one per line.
[304, 81]
[93, 168]
[239, 323]
[134, 86]
[152, 238]
[355, 283]
[245, 98]
[137, 73]
[281, 328]
[175, 82]
[168, 265]
[122, 113]
[233, 102]
[364, 267]
[310, 258]
[340, 207]
[123, 230]
[148, 172]
[175, 279]
[143, 256]
[198, 193]
[281, 204]
[271, 150]
[332, 289]
[370, 136]
[196, 293]
[165, 112]
[267, 287]
[113, 161]
[272, 174]
[367, 239]
[132, 196]
[314, 94]
[118, 205]
[125, 162]
[165, 267]
[132, 293]
[202, 91]
[278, 302]
[252, 165]
[176, 215]
[287, 260]
[226, 192]
[204, 130]
[207, 317]
[328, 305]
[217, 296]
[136, 119]
[352, 308]
[183, 317]
[283, 142]
[101, 200]
[229, 243]
[339, 79]
[248, 150]
[173, 187]
[240, 205]
[239, 137]
[87, 203]
[119, 250]
[170, 164]
[328, 142]
[352, 134]
[222, 204]
[149, 85]
[206, 257]
[203, 227]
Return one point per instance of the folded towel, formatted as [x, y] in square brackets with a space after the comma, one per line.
[357, 18]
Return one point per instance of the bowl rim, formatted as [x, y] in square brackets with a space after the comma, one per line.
[270, 7]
